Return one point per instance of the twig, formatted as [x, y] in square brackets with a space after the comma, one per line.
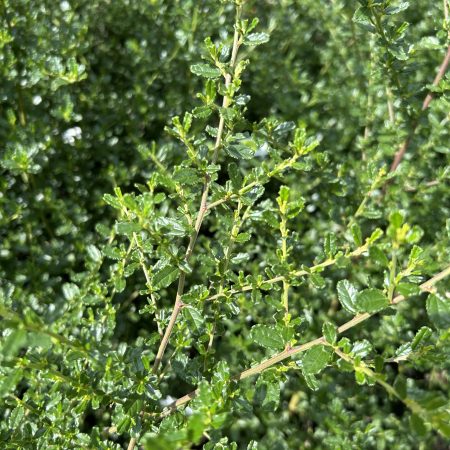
[131, 444]
[411, 404]
[390, 105]
[225, 262]
[302, 348]
[295, 274]
[404, 147]
[202, 210]
[286, 164]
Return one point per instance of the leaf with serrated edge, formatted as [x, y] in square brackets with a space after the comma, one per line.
[267, 336]
[347, 296]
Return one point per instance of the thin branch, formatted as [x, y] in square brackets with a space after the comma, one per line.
[203, 208]
[411, 404]
[297, 273]
[131, 444]
[404, 147]
[302, 348]
[390, 104]
[238, 221]
[286, 164]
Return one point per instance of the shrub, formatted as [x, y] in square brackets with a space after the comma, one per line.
[268, 269]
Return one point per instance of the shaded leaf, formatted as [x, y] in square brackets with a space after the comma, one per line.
[164, 276]
[239, 151]
[70, 291]
[193, 317]
[438, 309]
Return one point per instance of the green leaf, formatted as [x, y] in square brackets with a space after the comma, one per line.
[112, 252]
[202, 112]
[16, 416]
[402, 352]
[396, 9]
[240, 258]
[119, 284]
[438, 309]
[267, 392]
[421, 336]
[9, 382]
[377, 233]
[13, 342]
[377, 256]
[329, 245]
[267, 336]
[205, 70]
[193, 317]
[441, 421]
[124, 424]
[329, 332]
[70, 291]
[362, 18]
[164, 275]
[186, 175]
[347, 296]
[161, 441]
[413, 236]
[94, 253]
[371, 300]
[295, 208]
[283, 196]
[317, 281]
[196, 294]
[250, 197]
[311, 381]
[408, 289]
[127, 228]
[227, 113]
[415, 256]
[357, 235]
[187, 122]
[172, 226]
[361, 348]
[241, 238]
[159, 198]
[239, 151]
[396, 219]
[256, 39]
[112, 201]
[315, 359]
[220, 379]
[184, 266]
[235, 176]
[359, 376]
[400, 385]
[417, 425]
[284, 128]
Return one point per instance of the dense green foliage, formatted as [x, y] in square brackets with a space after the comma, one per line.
[197, 197]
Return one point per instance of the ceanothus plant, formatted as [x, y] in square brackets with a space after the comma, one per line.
[270, 280]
